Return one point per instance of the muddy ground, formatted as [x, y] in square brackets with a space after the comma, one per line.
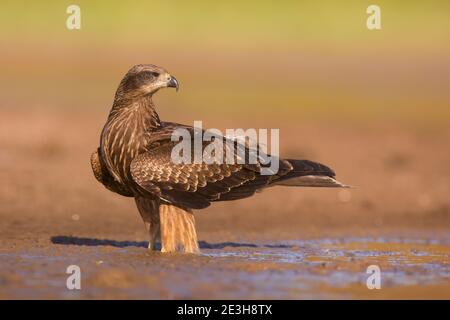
[282, 243]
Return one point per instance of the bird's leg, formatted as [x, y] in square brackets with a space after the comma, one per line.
[149, 210]
[178, 232]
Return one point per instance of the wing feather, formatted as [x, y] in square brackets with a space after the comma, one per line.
[196, 185]
[179, 182]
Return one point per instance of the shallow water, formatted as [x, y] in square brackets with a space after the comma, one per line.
[321, 268]
[405, 261]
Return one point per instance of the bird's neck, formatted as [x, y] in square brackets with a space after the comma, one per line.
[126, 133]
[140, 109]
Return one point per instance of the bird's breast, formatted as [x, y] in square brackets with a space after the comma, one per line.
[120, 144]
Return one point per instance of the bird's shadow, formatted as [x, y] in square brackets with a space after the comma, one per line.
[91, 242]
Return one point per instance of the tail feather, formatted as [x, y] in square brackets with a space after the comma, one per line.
[307, 173]
[307, 167]
[312, 181]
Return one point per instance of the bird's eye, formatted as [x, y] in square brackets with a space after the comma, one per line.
[145, 75]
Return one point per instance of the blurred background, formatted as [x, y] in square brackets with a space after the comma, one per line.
[374, 105]
[308, 59]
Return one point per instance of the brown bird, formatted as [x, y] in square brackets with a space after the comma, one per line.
[134, 160]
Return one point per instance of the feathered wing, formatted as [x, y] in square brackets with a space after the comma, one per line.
[103, 176]
[192, 185]
[196, 185]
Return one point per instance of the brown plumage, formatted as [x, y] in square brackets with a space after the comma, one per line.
[134, 160]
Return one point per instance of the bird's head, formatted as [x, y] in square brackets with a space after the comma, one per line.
[146, 79]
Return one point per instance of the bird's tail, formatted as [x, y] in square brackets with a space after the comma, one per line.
[307, 173]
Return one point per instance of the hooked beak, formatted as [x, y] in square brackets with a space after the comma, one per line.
[173, 83]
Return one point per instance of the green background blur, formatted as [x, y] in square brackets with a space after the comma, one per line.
[259, 59]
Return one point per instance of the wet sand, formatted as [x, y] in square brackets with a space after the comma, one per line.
[284, 243]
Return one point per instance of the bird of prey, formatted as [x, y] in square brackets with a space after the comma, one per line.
[134, 160]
